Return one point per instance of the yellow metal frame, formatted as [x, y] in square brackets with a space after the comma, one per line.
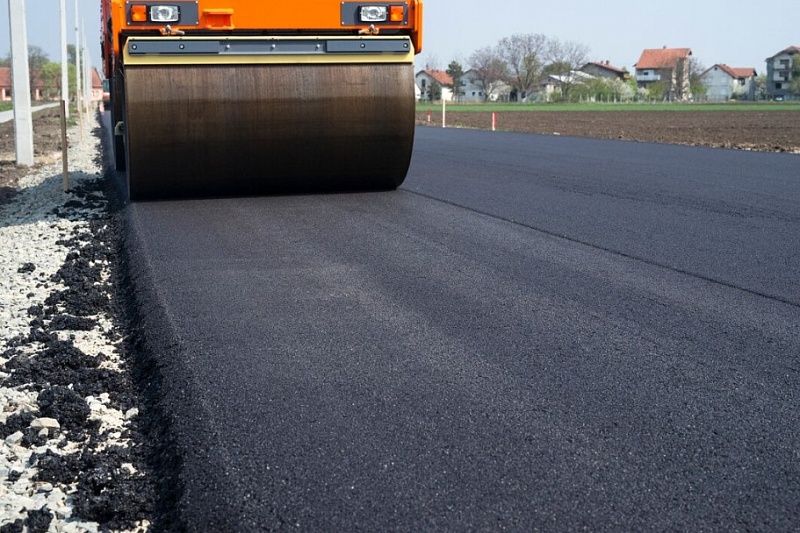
[270, 58]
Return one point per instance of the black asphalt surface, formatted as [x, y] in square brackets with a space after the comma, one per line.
[534, 333]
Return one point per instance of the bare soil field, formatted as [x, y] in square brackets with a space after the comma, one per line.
[773, 131]
[46, 142]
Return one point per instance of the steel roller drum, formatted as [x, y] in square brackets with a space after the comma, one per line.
[230, 130]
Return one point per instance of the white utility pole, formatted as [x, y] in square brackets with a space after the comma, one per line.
[78, 74]
[87, 68]
[23, 121]
[64, 55]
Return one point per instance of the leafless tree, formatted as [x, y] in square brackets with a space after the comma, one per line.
[564, 58]
[524, 55]
[431, 62]
[489, 68]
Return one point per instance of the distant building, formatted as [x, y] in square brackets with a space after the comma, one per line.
[669, 66]
[561, 83]
[434, 85]
[779, 72]
[605, 70]
[37, 86]
[5, 84]
[472, 90]
[724, 82]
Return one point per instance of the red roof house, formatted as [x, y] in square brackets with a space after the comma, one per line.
[668, 66]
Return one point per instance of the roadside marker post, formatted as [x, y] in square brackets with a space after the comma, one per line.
[64, 146]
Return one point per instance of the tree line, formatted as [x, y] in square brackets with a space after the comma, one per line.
[46, 74]
[517, 65]
[519, 62]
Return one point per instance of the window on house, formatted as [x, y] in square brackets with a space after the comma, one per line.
[779, 86]
[423, 83]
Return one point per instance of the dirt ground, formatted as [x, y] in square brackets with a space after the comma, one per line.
[773, 131]
[46, 148]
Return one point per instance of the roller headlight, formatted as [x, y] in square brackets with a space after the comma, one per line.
[164, 13]
[373, 14]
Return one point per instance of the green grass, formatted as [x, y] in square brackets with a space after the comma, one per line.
[502, 107]
[5, 106]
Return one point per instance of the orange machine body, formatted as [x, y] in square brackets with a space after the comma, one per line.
[256, 17]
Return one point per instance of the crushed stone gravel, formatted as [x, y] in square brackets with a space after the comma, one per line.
[72, 453]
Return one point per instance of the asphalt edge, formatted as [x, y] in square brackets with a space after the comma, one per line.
[139, 314]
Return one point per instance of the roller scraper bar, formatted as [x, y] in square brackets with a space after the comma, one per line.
[202, 50]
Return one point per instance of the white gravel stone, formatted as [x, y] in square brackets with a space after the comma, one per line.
[45, 423]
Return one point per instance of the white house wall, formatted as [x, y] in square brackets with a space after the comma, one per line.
[719, 84]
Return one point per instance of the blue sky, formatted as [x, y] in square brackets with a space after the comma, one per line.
[737, 32]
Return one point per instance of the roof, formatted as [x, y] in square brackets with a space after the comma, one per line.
[789, 51]
[735, 73]
[657, 58]
[440, 76]
[606, 66]
[574, 76]
[97, 82]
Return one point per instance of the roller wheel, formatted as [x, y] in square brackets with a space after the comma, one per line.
[231, 130]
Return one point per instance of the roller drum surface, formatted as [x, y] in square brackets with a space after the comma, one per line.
[230, 130]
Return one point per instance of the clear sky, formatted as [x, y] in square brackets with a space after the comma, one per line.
[741, 33]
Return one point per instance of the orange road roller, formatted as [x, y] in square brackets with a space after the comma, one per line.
[217, 98]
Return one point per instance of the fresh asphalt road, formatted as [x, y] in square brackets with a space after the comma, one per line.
[533, 333]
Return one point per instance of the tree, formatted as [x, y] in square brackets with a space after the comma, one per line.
[50, 76]
[490, 70]
[71, 54]
[696, 86]
[794, 85]
[657, 90]
[524, 55]
[431, 61]
[761, 87]
[37, 57]
[566, 57]
[456, 71]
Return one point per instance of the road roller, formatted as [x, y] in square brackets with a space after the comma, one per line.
[215, 98]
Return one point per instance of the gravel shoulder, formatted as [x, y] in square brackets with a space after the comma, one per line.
[72, 454]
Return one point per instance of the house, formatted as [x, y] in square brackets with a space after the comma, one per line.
[779, 72]
[666, 66]
[472, 89]
[38, 88]
[5, 84]
[97, 86]
[554, 83]
[724, 82]
[605, 70]
[7, 87]
[434, 85]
